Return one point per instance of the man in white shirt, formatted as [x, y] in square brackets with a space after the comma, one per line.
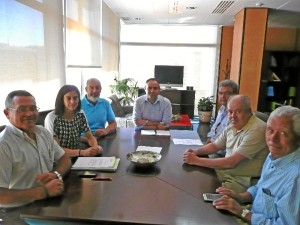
[245, 146]
[32, 163]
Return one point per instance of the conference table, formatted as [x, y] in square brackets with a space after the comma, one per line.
[168, 193]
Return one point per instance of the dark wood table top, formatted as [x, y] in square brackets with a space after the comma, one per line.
[170, 193]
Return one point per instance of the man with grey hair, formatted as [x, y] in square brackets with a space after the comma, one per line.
[276, 196]
[245, 147]
[98, 111]
[226, 89]
[32, 163]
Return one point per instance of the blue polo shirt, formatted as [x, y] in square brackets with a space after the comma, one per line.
[97, 115]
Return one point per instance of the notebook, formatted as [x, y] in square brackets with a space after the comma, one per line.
[96, 163]
[156, 132]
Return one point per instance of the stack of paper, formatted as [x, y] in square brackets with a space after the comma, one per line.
[96, 163]
[148, 132]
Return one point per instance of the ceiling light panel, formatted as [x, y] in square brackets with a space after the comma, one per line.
[157, 11]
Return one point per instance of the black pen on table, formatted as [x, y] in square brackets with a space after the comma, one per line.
[102, 178]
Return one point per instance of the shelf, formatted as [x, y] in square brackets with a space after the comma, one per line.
[183, 101]
[280, 80]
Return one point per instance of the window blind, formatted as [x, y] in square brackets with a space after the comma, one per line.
[83, 36]
[31, 49]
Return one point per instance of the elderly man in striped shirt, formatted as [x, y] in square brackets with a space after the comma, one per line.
[276, 197]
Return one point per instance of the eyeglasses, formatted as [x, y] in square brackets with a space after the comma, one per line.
[31, 108]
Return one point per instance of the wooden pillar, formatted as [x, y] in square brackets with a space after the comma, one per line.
[247, 51]
[225, 52]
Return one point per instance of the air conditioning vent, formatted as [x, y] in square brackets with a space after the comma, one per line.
[222, 7]
[125, 18]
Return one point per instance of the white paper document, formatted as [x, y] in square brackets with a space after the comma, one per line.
[156, 132]
[178, 141]
[184, 134]
[96, 163]
[148, 148]
[163, 133]
[148, 132]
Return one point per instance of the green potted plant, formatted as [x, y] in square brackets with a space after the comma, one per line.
[126, 90]
[205, 107]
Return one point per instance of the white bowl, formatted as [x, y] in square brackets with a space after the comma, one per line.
[143, 158]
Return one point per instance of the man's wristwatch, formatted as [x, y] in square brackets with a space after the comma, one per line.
[59, 176]
[245, 212]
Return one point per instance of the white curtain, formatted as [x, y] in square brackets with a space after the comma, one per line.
[31, 50]
[83, 36]
[92, 37]
[83, 40]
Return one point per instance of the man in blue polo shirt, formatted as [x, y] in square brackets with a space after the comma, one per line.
[97, 110]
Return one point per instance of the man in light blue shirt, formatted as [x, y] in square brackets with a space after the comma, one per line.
[226, 89]
[97, 110]
[276, 196]
[152, 111]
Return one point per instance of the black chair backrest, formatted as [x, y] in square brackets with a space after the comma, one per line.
[42, 116]
[2, 128]
[263, 116]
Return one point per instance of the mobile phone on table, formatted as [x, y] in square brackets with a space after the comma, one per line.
[210, 197]
[87, 174]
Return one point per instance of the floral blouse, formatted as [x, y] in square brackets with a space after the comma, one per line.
[68, 132]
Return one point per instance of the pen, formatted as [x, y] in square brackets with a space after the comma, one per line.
[102, 178]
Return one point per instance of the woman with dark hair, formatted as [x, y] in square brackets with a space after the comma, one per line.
[67, 122]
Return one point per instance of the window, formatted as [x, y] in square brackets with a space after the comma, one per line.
[83, 37]
[194, 47]
[31, 50]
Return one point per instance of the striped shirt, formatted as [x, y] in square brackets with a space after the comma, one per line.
[160, 111]
[22, 159]
[277, 194]
[221, 122]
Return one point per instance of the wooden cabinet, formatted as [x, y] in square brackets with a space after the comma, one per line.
[280, 80]
[183, 101]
